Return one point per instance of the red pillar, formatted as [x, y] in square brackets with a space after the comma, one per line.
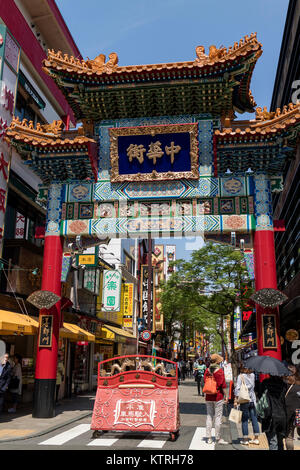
[265, 276]
[46, 361]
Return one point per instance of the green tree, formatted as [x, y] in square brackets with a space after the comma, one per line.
[205, 290]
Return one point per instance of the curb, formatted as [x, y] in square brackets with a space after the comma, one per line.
[48, 430]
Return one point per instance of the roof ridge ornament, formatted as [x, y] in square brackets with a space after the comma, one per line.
[221, 53]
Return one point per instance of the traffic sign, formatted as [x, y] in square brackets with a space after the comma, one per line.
[146, 335]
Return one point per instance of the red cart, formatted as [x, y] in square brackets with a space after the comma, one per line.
[137, 393]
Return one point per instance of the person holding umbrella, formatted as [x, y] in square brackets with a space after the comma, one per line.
[273, 389]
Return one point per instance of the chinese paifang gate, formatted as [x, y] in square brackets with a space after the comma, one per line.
[159, 151]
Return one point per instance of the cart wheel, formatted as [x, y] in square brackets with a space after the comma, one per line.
[96, 434]
[174, 435]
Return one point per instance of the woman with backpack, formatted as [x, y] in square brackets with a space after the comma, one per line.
[247, 378]
[215, 396]
[292, 402]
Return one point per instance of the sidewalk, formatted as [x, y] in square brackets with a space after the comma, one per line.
[22, 425]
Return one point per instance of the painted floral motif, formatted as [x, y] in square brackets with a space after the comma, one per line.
[77, 226]
[234, 221]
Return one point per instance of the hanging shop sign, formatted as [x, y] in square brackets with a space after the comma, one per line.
[66, 266]
[31, 91]
[154, 152]
[46, 329]
[9, 69]
[89, 258]
[269, 331]
[111, 295]
[128, 305]
[170, 256]
[145, 294]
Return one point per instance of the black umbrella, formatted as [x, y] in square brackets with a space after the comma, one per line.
[267, 365]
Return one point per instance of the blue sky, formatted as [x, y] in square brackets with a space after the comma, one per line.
[155, 31]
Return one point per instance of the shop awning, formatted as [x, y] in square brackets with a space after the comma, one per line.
[16, 323]
[246, 345]
[75, 333]
[119, 331]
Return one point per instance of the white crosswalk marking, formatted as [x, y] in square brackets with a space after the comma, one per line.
[102, 442]
[152, 443]
[199, 440]
[66, 436]
[197, 437]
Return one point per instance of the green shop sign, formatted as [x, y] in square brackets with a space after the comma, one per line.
[111, 295]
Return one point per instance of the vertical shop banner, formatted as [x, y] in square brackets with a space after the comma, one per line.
[170, 256]
[20, 225]
[144, 294]
[128, 305]
[9, 69]
[111, 294]
[158, 261]
[237, 327]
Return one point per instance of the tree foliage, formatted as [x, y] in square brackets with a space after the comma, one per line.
[204, 290]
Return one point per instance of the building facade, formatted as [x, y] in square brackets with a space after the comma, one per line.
[286, 204]
[27, 30]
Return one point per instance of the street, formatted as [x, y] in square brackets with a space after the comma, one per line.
[79, 436]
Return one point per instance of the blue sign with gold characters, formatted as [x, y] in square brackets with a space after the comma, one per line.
[151, 153]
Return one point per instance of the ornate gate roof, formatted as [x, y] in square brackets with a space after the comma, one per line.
[216, 83]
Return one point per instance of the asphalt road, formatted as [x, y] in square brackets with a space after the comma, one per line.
[78, 435]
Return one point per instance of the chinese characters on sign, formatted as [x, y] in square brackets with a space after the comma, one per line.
[135, 412]
[155, 151]
[9, 68]
[128, 305]
[144, 295]
[269, 331]
[46, 328]
[160, 152]
[111, 296]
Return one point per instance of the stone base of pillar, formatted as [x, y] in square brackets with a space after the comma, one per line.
[44, 398]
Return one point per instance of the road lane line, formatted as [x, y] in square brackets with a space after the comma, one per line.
[199, 440]
[66, 436]
[102, 442]
[152, 443]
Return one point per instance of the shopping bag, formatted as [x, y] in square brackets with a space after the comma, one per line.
[244, 396]
[235, 415]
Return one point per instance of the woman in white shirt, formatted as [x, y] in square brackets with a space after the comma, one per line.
[16, 392]
[249, 408]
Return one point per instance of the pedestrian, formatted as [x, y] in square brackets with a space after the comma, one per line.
[59, 375]
[215, 401]
[15, 386]
[5, 376]
[248, 409]
[199, 370]
[274, 423]
[183, 369]
[292, 402]
[191, 370]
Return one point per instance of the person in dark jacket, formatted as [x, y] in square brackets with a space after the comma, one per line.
[275, 423]
[5, 376]
[292, 402]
